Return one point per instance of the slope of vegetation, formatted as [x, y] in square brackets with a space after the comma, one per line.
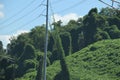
[98, 61]
[23, 58]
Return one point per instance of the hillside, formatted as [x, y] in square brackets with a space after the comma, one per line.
[98, 61]
[83, 49]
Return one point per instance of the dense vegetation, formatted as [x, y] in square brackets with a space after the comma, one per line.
[23, 58]
[98, 61]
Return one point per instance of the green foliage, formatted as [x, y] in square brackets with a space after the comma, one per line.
[28, 76]
[94, 27]
[1, 47]
[96, 62]
[37, 35]
[40, 69]
[94, 10]
[108, 12]
[99, 61]
[16, 47]
[114, 21]
[100, 35]
[113, 31]
[75, 36]
[8, 71]
[29, 52]
[6, 67]
[29, 63]
[50, 43]
[80, 41]
[89, 28]
[64, 74]
[26, 60]
[53, 70]
[66, 43]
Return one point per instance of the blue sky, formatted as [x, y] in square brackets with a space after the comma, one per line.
[17, 16]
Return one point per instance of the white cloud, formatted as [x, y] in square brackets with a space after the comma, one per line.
[1, 14]
[1, 6]
[20, 32]
[66, 18]
[6, 38]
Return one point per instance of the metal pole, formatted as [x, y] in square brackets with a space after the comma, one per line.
[46, 42]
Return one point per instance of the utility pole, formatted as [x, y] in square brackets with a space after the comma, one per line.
[112, 2]
[107, 4]
[46, 41]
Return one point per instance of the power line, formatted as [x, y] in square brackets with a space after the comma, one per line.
[66, 9]
[107, 4]
[52, 12]
[116, 1]
[112, 2]
[19, 12]
[72, 6]
[58, 1]
[112, 6]
[51, 8]
[29, 22]
[18, 19]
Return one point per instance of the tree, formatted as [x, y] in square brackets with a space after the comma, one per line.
[38, 35]
[92, 23]
[89, 26]
[29, 53]
[74, 28]
[23, 63]
[1, 48]
[114, 21]
[101, 35]
[39, 69]
[109, 12]
[113, 31]
[17, 44]
[64, 74]
[6, 67]
[66, 42]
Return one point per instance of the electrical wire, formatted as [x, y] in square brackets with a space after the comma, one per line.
[18, 19]
[19, 12]
[72, 6]
[57, 2]
[29, 22]
[53, 18]
[107, 4]
[116, 1]
[52, 12]
[112, 2]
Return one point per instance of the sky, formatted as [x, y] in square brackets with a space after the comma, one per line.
[18, 16]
